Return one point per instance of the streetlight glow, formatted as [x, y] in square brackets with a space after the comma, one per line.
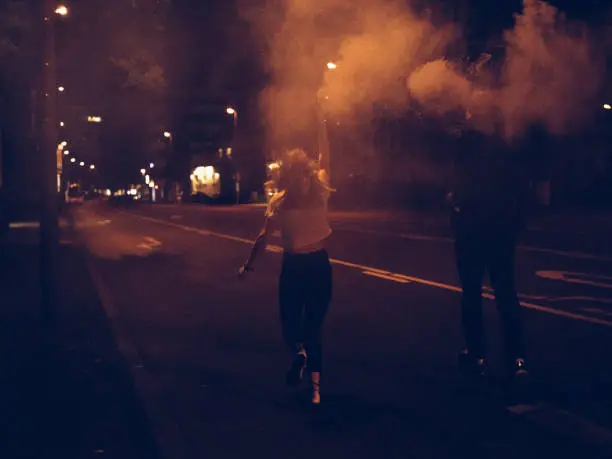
[64, 143]
[61, 88]
[61, 123]
[607, 107]
[151, 165]
[230, 111]
[332, 66]
[62, 10]
[167, 134]
[92, 167]
[143, 171]
[73, 160]
[82, 163]
[66, 152]
[94, 119]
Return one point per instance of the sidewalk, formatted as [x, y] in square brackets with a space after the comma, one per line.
[64, 391]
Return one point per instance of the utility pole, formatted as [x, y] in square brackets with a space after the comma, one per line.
[49, 227]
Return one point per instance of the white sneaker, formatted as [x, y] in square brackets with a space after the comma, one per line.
[316, 388]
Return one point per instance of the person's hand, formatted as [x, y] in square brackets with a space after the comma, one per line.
[242, 271]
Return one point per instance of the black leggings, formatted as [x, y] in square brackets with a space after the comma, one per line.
[490, 249]
[305, 290]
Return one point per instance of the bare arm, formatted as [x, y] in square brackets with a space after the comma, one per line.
[323, 143]
[260, 244]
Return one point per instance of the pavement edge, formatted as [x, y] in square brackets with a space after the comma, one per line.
[168, 436]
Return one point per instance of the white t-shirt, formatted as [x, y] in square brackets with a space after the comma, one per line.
[302, 226]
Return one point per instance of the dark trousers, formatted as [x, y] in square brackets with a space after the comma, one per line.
[489, 248]
[305, 291]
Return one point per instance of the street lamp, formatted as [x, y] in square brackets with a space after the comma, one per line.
[607, 107]
[92, 167]
[64, 143]
[61, 123]
[73, 160]
[151, 165]
[232, 111]
[143, 171]
[62, 10]
[49, 218]
[66, 152]
[331, 66]
[167, 134]
[82, 163]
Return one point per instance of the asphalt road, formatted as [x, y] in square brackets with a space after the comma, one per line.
[206, 355]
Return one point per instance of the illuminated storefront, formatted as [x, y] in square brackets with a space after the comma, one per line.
[205, 180]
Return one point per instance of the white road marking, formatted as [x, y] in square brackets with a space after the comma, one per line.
[63, 223]
[152, 241]
[418, 280]
[149, 243]
[574, 278]
[16, 225]
[385, 276]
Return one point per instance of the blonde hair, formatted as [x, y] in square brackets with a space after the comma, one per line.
[292, 167]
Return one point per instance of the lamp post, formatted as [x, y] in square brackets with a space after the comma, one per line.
[322, 127]
[49, 228]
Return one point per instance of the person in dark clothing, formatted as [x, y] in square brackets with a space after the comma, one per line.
[488, 200]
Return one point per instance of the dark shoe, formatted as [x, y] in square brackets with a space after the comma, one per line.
[522, 390]
[476, 366]
[519, 369]
[296, 372]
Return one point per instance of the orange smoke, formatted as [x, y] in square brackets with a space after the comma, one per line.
[549, 76]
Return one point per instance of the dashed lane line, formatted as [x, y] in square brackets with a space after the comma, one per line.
[385, 276]
[380, 272]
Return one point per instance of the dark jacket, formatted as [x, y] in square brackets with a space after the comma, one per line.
[489, 187]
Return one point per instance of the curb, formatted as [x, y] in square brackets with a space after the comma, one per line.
[167, 434]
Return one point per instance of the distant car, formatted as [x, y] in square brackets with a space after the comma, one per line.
[75, 196]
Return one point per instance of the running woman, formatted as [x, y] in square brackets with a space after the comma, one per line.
[299, 209]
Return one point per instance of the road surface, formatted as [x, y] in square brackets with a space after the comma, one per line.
[205, 352]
